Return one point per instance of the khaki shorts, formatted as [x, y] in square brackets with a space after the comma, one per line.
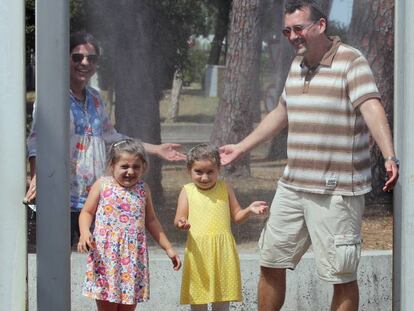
[331, 223]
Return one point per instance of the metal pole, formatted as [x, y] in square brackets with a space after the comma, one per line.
[52, 161]
[403, 291]
[13, 260]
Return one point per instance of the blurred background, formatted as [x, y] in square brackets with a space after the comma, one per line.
[191, 71]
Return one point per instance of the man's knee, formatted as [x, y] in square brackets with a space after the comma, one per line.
[272, 289]
[274, 274]
[347, 288]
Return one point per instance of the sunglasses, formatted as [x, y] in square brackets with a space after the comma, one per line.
[78, 58]
[297, 29]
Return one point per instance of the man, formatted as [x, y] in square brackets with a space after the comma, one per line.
[329, 100]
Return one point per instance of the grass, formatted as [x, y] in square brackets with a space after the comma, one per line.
[194, 107]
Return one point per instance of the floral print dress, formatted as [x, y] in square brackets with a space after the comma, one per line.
[90, 132]
[117, 265]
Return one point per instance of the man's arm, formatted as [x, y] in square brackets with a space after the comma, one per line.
[269, 127]
[376, 120]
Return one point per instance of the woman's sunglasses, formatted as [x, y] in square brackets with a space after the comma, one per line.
[78, 58]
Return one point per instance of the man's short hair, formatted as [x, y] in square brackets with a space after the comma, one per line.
[316, 11]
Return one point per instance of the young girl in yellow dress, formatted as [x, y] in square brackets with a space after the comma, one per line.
[211, 272]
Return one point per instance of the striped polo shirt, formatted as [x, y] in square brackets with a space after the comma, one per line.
[328, 141]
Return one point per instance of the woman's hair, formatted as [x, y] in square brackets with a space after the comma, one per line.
[83, 37]
[203, 152]
[129, 145]
[315, 9]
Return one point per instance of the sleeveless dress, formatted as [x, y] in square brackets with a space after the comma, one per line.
[117, 266]
[211, 270]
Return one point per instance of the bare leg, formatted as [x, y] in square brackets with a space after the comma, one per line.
[221, 306]
[199, 307]
[271, 289]
[106, 305]
[345, 297]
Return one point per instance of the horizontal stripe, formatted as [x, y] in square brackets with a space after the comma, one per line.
[322, 129]
[322, 117]
[327, 155]
[355, 189]
[328, 165]
[329, 148]
[314, 175]
[329, 140]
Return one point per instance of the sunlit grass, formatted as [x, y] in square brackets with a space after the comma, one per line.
[193, 105]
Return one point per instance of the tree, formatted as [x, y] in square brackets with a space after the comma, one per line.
[143, 43]
[221, 26]
[372, 32]
[241, 79]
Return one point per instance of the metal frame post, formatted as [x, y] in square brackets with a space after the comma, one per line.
[52, 161]
[403, 289]
[13, 261]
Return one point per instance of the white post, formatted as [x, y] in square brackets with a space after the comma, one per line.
[52, 161]
[403, 290]
[13, 260]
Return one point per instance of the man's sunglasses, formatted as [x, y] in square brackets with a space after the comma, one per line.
[78, 58]
[297, 29]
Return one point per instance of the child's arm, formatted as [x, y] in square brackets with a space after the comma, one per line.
[86, 217]
[154, 227]
[240, 215]
[181, 216]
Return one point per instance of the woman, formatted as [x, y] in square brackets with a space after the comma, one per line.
[90, 129]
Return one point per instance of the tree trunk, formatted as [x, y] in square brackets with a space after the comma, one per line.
[127, 38]
[278, 145]
[372, 32]
[220, 30]
[241, 82]
[174, 106]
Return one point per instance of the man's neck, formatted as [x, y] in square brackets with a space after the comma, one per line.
[313, 60]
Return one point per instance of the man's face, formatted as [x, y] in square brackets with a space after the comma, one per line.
[302, 32]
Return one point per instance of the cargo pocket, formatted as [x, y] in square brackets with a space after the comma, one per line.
[347, 253]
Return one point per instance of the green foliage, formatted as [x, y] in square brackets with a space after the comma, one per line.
[197, 60]
[77, 21]
[179, 20]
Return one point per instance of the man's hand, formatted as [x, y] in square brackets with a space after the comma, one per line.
[392, 175]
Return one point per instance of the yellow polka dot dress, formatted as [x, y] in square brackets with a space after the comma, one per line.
[211, 270]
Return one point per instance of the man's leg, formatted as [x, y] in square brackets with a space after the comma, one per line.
[271, 289]
[345, 297]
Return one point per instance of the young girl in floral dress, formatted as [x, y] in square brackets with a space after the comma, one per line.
[117, 268]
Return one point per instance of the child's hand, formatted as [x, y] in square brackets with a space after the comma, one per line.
[183, 224]
[259, 207]
[174, 258]
[85, 243]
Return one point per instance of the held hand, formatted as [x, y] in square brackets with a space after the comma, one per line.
[169, 152]
[174, 258]
[183, 224]
[85, 243]
[392, 175]
[259, 207]
[229, 154]
[31, 192]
